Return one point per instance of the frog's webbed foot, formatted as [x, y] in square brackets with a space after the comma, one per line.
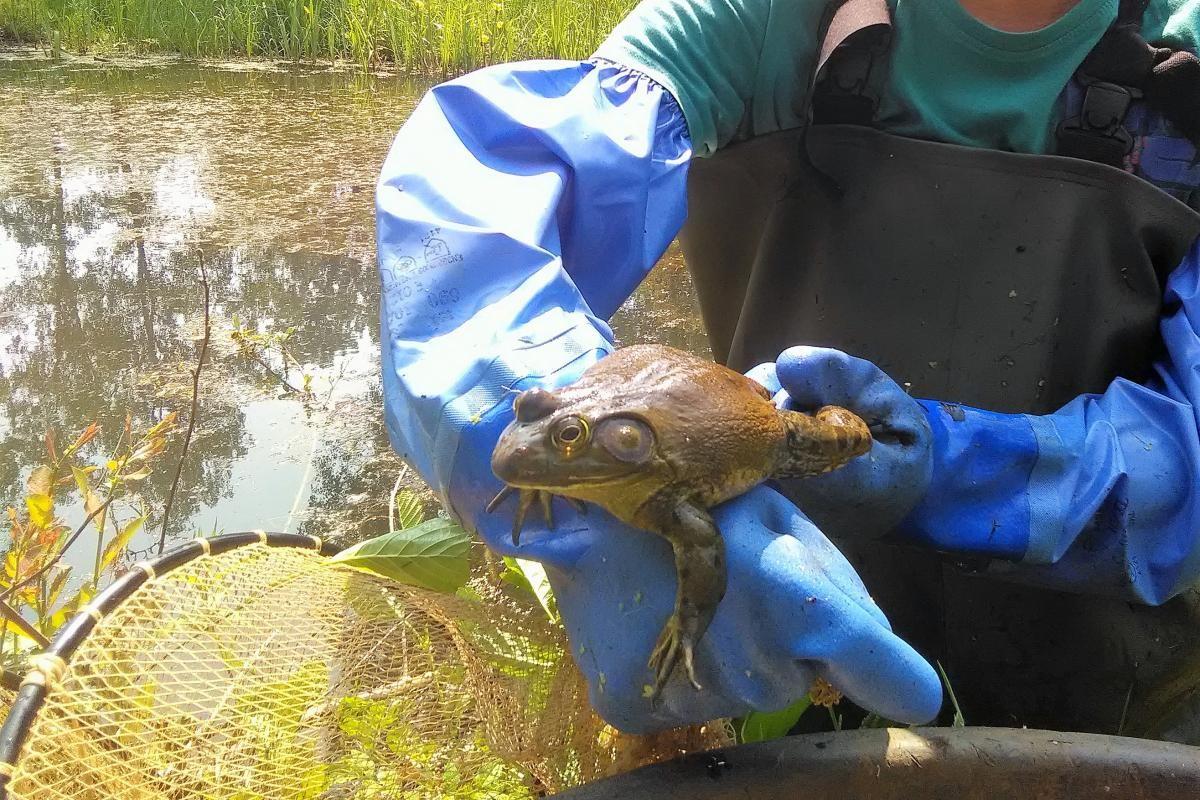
[674, 643]
[525, 500]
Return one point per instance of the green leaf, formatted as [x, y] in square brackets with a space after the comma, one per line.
[133, 477]
[761, 726]
[513, 576]
[81, 479]
[41, 509]
[959, 720]
[409, 512]
[81, 598]
[434, 555]
[532, 576]
[117, 546]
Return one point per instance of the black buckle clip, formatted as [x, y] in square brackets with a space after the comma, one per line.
[1105, 106]
[1099, 132]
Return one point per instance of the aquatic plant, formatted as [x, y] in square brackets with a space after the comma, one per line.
[269, 350]
[36, 594]
[426, 36]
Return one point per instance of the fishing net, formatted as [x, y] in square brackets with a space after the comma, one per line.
[233, 670]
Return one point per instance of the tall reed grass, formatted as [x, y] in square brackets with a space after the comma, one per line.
[428, 36]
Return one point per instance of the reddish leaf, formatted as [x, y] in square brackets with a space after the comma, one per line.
[88, 434]
[41, 481]
[49, 536]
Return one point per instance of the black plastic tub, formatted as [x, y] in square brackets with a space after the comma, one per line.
[919, 764]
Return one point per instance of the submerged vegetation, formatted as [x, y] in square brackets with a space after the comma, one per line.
[427, 36]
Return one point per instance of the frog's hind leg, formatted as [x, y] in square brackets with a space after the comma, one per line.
[700, 573]
[820, 442]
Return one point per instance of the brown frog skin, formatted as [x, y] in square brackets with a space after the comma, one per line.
[657, 436]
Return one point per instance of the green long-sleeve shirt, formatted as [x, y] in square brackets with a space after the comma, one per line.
[737, 67]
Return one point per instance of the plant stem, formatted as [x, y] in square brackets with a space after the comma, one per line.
[100, 545]
[287, 385]
[187, 439]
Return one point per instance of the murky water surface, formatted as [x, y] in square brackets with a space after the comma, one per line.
[112, 177]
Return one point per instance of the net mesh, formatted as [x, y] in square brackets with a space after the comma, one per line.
[268, 672]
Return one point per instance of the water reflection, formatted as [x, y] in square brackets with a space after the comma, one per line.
[112, 177]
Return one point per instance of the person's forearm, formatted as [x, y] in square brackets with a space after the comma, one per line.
[1102, 495]
[518, 207]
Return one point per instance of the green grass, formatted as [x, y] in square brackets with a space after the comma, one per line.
[427, 36]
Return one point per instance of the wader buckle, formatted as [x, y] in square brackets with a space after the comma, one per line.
[1099, 132]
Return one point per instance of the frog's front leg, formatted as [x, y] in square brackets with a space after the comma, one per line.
[525, 500]
[700, 575]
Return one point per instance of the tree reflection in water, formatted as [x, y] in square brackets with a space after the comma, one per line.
[112, 176]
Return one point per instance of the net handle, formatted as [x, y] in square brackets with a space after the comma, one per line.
[49, 666]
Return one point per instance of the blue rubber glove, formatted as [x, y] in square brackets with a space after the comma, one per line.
[489, 210]
[794, 608]
[1101, 496]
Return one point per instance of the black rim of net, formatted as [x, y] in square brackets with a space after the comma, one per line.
[37, 685]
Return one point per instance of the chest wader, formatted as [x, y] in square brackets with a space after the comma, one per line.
[1006, 281]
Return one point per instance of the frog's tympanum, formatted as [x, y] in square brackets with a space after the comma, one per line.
[657, 436]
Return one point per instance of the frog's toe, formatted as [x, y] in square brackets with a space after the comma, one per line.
[688, 662]
[500, 497]
[665, 656]
[526, 498]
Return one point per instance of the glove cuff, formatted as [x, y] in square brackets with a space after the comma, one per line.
[978, 500]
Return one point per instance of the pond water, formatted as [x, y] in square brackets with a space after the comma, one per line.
[114, 176]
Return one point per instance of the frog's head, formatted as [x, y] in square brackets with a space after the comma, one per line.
[565, 448]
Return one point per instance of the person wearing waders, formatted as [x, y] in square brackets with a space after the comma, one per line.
[972, 222]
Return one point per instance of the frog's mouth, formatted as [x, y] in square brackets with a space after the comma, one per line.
[535, 479]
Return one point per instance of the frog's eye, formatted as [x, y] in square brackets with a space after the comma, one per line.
[628, 440]
[570, 434]
[534, 404]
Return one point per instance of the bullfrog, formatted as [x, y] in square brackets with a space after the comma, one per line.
[657, 436]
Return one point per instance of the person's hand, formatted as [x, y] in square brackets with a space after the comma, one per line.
[794, 609]
[874, 492]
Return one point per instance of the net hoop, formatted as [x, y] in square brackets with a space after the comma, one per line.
[49, 665]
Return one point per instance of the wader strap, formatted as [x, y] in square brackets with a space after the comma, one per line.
[1112, 75]
[1121, 68]
[855, 45]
